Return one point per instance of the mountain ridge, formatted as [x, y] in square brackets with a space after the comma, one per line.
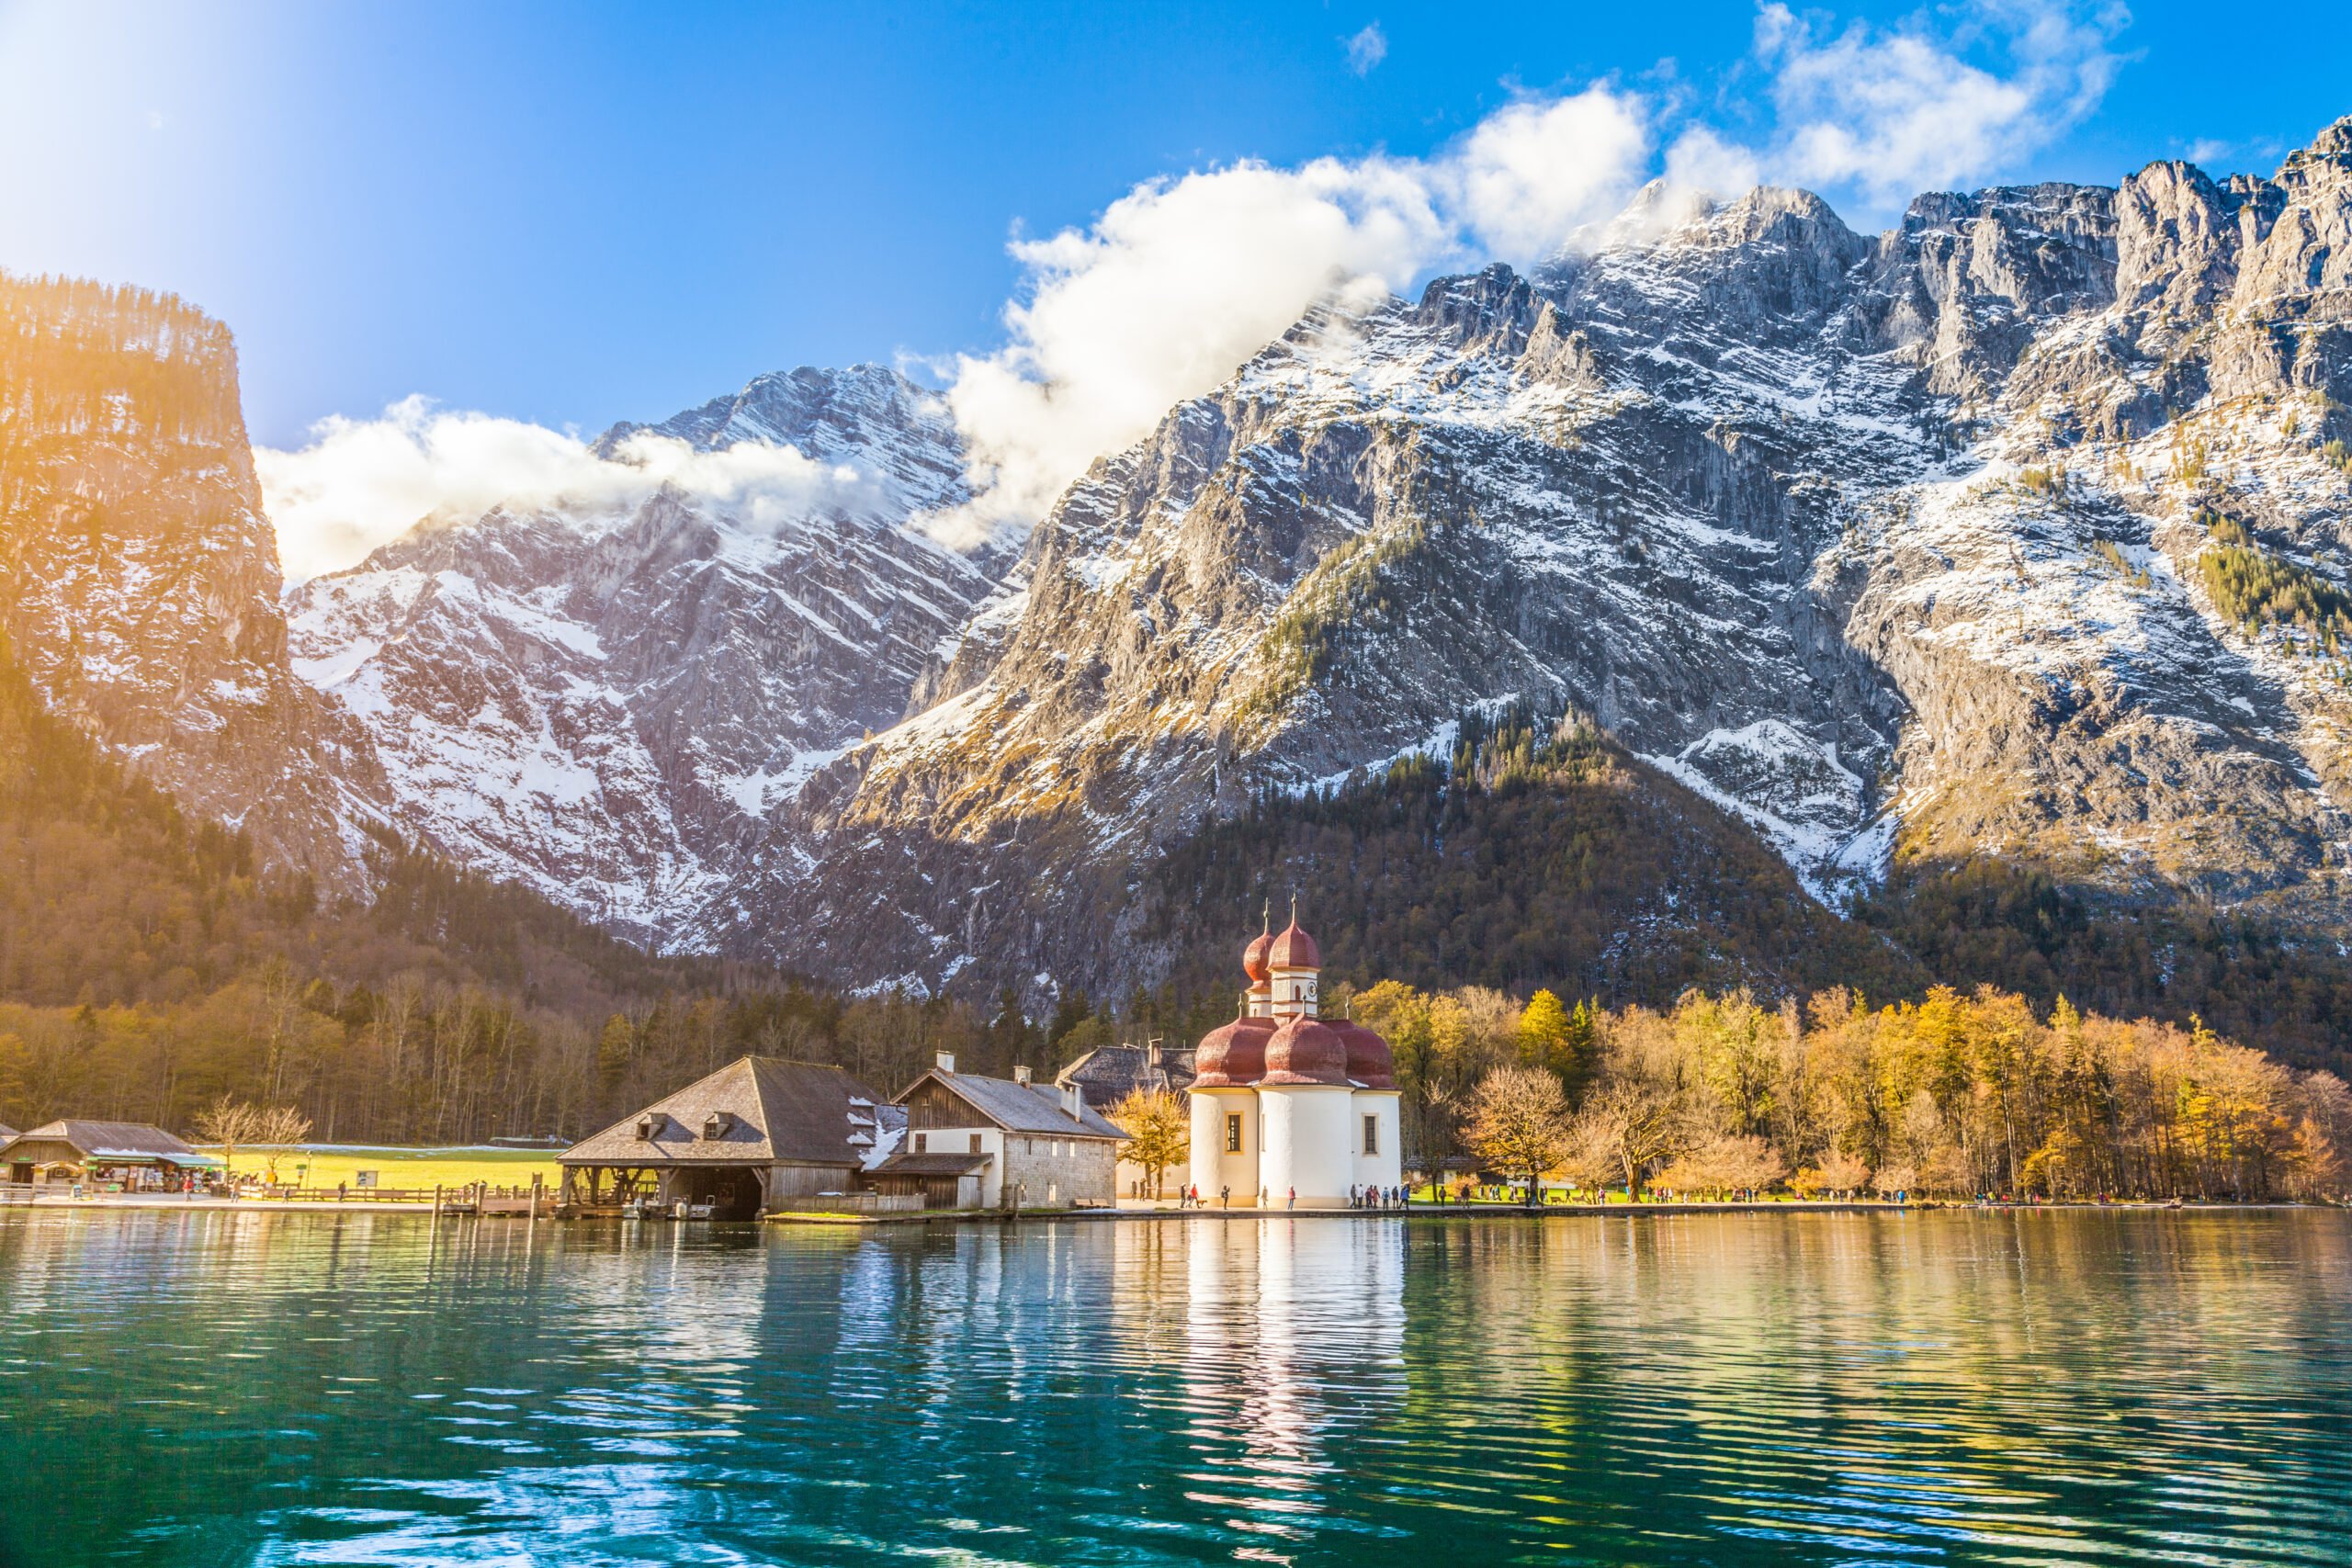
[2012, 532]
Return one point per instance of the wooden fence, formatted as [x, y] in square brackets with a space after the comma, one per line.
[852, 1203]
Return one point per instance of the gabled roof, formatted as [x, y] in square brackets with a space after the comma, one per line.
[1018, 1108]
[7, 1132]
[784, 1113]
[111, 1140]
[1111, 1072]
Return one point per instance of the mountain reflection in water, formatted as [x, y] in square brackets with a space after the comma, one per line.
[1957, 1387]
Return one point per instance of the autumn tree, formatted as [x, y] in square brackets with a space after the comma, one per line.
[1629, 1125]
[1730, 1162]
[1159, 1130]
[1839, 1173]
[1518, 1124]
[1557, 1040]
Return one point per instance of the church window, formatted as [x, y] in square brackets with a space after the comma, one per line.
[1371, 1134]
[1233, 1134]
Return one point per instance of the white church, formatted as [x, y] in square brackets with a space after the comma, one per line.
[1285, 1102]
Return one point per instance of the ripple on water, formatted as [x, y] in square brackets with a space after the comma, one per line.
[2046, 1388]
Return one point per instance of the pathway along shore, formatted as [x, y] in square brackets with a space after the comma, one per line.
[152, 1201]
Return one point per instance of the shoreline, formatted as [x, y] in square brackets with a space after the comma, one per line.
[166, 1204]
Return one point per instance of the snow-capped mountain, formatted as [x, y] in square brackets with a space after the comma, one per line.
[596, 701]
[2015, 529]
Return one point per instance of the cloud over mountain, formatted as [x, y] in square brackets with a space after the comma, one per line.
[1183, 277]
[362, 483]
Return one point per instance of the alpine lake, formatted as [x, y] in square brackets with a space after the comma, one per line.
[2054, 1386]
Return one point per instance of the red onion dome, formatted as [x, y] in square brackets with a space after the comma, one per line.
[1305, 1050]
[1369, 1061]
[1253, 957]
[1233, 1056]
[1294, 948]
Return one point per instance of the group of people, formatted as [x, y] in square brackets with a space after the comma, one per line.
[1189, 1197]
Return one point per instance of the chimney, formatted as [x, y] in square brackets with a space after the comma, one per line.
[945, 1061]
[1021, 1076]
[1074, 1101]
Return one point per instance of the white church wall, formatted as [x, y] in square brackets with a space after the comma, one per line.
[1212, 1165]
[1383, 1165]
[1307, 1144]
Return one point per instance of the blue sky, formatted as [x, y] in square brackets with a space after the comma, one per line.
[568, 215]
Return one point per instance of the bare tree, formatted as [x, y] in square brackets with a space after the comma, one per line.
[1518, 1123]
[231, 1123]
[281, 1126]
[1730, 1162]
[1836, 1173]
[1636, 1122]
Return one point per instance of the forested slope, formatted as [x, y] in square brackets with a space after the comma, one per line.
[1537, 856]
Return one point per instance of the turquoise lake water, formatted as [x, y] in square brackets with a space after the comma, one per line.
[2049, 1387]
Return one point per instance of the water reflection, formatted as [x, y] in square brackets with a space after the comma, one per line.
[2044, 1388]
[1294, 1340]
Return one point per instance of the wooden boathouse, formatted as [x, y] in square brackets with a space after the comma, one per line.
[760, 1133]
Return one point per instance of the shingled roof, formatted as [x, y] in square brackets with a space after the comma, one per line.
[1018, 1108]
[1111, 1072]
[111, 1140]
[773, 1111]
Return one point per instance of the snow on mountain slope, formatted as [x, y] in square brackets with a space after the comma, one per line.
[596, 702]
[138, 576]
[2014, 530]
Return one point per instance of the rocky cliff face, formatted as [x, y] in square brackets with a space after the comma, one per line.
[138, 579]
[2015, 530]
[597, 702]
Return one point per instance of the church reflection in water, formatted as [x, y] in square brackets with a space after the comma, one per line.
[1295, 1346]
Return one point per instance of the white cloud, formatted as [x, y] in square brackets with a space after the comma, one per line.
[1701, 160]
[1178, 281]
[362, 483]
[1182, 279]
[1890, 112]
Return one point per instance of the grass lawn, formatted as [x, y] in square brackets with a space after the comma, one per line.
[400, 1168]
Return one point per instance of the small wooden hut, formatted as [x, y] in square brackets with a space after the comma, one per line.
[940, 1180]
[130, 1152]
[752, 1135]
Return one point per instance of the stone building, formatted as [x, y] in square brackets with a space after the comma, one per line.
[1040, 1145]
[1286, 1102]
[1111, 1072]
